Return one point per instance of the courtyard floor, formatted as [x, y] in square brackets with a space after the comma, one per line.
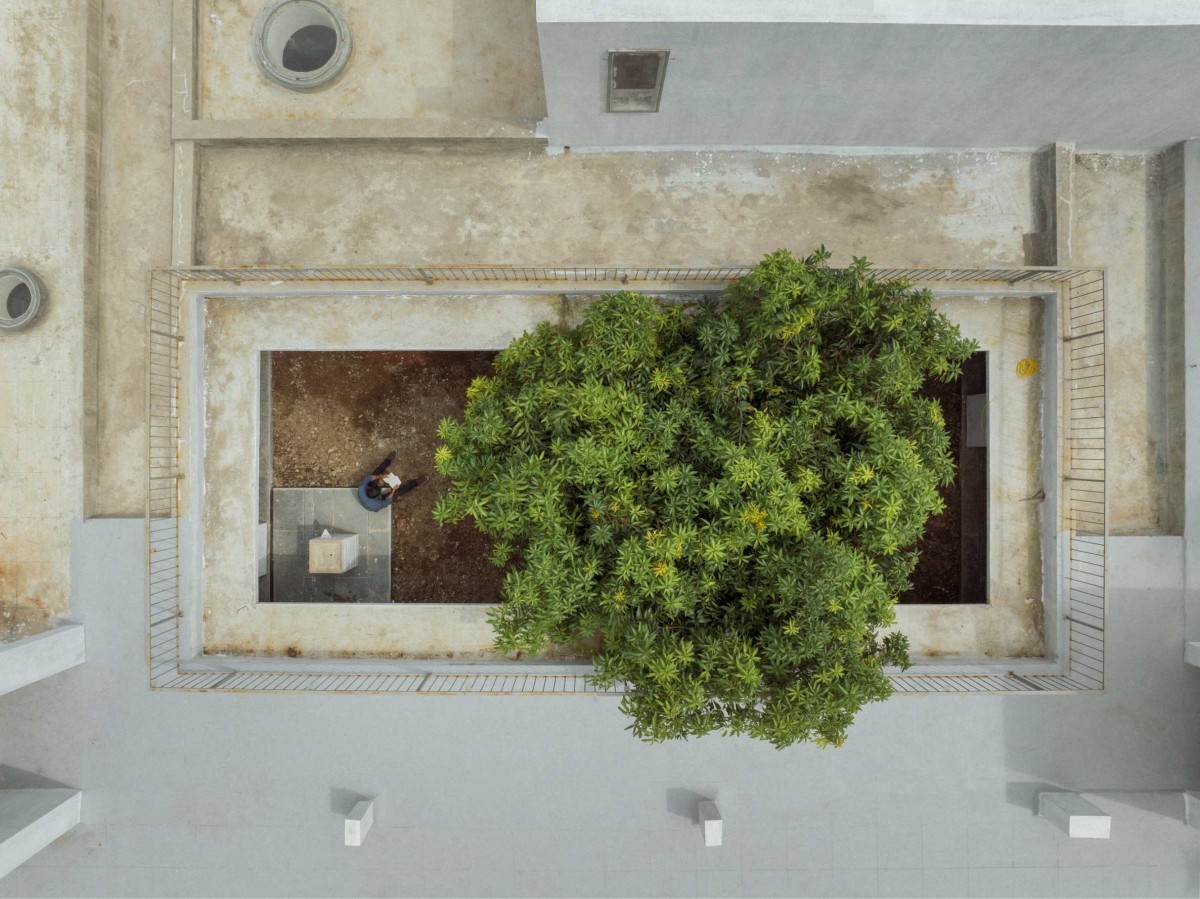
[335, 416]
[394, 202]
[238, 329]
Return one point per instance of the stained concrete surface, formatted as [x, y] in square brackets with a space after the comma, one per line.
[711, 208]
[1118, 223]
[371, 204]
[135, 234]
[236, 331]
[411, 59]
[361, 204]
[44, 375]
[1010, 624]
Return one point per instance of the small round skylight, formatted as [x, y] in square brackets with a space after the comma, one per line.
[302, 44]
[21, 298]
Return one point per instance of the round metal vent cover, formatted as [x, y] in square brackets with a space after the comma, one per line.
[22, 297]
[301, 44]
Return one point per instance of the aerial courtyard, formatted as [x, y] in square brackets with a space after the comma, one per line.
[330, 271]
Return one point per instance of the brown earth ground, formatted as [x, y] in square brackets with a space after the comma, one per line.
[335, 416]
[938, 575]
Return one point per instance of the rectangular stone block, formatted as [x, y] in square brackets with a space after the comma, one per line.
[359, 822]
[710, 823]
[1075, 816]
[332, 553]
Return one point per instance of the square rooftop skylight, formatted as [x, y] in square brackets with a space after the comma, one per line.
[635, 79]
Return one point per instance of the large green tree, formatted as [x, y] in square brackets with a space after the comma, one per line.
[725, 495]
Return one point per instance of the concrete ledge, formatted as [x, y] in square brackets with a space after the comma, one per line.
[897, 12]
[33, 658]
[418, 130]
[30, 820]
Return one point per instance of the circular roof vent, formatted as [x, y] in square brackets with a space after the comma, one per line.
[21, 298]
[301, 44]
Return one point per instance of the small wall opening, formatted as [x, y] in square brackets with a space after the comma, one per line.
[302, 44]
[21, 298]
[635, 79]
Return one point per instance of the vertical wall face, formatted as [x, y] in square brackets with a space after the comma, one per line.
[1120, 222]
[777, 83]
[47, 398]
[1190, 164]
[1171, 184]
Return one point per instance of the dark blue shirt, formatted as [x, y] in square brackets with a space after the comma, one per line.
[373, 503]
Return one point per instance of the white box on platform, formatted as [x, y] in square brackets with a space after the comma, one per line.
[332, 553]
[359, 821]
[1075, 816]
[711, 824]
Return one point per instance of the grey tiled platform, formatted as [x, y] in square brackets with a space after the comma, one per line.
[298, 515]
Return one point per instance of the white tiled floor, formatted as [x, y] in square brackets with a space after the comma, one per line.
[529, 796]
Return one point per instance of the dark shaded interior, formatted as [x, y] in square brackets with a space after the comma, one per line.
[953, 552]
[19, 299]
[309, 48]
[636, 71]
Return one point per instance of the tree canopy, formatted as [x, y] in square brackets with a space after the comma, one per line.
[725, 494]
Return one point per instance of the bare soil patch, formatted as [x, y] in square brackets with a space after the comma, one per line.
[952, 569]
[336, 415]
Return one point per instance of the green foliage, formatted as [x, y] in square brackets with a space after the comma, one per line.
[726, 495]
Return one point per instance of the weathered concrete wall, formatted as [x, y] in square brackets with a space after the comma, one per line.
[1172, 263]
[411, 58]
[719, 207]
[1189, 234]
[236, 330]
[46, 427]
[135, 197]
[862, 85]
[1119, 225]
[349, 205]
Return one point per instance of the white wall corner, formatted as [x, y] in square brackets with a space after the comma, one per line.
[31, 659]
[30, 820]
